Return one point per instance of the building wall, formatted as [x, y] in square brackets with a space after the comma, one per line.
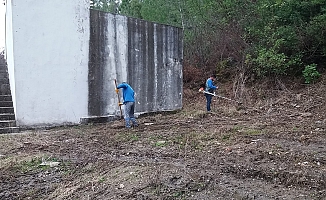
[63, 60]
[146, 55]
[9, 48]
[48, 43]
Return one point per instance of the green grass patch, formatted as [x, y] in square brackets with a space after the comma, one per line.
[127, 137]
[226, 137]
[31, 165]
[251, 132]
[102, 179]
[40, 164]
[161, 143]
[237, 131]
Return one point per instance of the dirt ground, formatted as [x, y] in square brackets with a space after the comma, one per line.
[273, 146]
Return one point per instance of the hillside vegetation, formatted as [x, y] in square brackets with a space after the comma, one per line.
[243, 39]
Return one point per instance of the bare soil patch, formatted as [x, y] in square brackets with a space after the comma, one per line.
[272, 146]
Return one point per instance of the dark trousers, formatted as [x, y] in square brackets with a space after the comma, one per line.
[208, 101]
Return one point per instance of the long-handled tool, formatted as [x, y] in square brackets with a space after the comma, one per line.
[119, 103]
[215, 95]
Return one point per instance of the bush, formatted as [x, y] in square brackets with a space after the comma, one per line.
[310, 73]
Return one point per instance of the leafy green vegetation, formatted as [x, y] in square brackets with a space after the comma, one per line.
[161, 144]
[35, 164]
[31, 165]
[264, 38]
[310, 73]
[128, 137]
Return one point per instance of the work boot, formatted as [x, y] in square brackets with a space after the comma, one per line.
[128, 123]
[134, 122]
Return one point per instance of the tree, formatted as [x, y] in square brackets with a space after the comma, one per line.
[266, 37]
[285, 35]
[105, 5]
[131, 8]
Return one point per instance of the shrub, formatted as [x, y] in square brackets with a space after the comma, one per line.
[310, 73]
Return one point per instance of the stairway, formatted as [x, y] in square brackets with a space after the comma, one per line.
[7, 114]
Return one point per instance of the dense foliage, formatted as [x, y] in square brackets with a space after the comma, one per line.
[260, 38]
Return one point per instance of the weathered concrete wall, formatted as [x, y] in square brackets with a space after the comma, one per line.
[63, 60]
[47, 46]
[108, 61]
[146, 55]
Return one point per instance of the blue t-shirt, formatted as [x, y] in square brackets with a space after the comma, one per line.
[210, 87]
[128, 92]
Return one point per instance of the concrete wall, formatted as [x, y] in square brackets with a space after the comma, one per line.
[47, 46]
[9, 48]
[146, 55]
[108, 61]
[63, 60]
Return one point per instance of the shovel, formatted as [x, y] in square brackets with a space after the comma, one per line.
[119, 103]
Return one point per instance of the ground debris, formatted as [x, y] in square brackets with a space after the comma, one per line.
[273, 148]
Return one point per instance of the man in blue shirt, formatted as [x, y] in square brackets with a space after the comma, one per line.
[129, 102]
[210, 87]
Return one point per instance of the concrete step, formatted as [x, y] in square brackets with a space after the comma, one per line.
[7, 116]
[5, 98]
[3, 69]
[9, 130]
[3, 74]
[7, 110]
[4, 81]
[5, 89]
[7, 123]
[5, 92]
[6, 104]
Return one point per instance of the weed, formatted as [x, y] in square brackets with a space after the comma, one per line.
[245, 131]
[236, 129]
[134, 138]
[310, 73]
[251, 132]
[161, 143]
[178, 194]
[195, 144]
[155, 137]
[127, 137]
[31, 165]
[295, 128]
[226, 137]
[179, 140]
[102, 179]
[65, 166]
[196, 114]
[31, 192]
